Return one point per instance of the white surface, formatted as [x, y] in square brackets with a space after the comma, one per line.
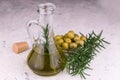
[80, 15]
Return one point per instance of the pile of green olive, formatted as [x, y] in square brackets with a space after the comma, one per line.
[70, 40]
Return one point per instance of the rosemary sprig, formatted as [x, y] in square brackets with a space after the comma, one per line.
[78, 60]
[46, 37]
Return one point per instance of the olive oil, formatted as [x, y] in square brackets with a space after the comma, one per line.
[45, 64]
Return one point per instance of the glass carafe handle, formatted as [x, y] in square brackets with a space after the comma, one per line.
[33, 29]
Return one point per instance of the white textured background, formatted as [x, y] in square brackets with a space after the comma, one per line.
[79, 15]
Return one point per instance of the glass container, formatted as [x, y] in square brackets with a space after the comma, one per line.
[45, 58]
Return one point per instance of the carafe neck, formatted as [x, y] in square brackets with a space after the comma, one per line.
[46, 12]
[46, 19]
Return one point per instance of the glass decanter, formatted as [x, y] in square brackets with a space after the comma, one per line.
[45, 58]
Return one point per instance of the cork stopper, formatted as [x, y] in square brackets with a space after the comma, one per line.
[20, 47]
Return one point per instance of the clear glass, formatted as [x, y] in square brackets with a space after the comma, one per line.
[45, 58]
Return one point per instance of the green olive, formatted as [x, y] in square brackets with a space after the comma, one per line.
[80, 42]
[60, 41]
[57, 37]
[73, 45]
[67, 40]
[65, 45]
